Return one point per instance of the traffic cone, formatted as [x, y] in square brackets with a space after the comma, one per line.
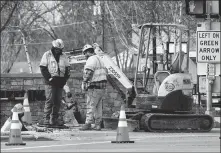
[27, 114]
[122, 131]
[15, 130]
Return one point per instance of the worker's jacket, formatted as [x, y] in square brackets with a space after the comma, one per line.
[54, 68]
[95, 64]
[50, 68]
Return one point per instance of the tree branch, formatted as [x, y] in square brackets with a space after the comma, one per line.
[10, 16]
[39, 15]
[3, 5]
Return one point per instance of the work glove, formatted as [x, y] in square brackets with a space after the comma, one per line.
[63, 100]
[52, 81]
[69, 95]
[84, 86]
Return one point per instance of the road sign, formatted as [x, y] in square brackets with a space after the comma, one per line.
[208, 46]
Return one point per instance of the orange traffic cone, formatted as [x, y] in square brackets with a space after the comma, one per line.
[122, 131]
[27, 114]
[15, 130]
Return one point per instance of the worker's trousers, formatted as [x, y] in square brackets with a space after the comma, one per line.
[53, 102]
[94, 105]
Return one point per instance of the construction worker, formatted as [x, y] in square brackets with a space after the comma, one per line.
[94, 82]
[20, 109]
[55, 68]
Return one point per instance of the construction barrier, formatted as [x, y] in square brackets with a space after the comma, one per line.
[15, 130]
[122, 131]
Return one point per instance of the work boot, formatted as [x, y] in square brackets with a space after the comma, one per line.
[44, 122]
[86, 126]
[56, 122]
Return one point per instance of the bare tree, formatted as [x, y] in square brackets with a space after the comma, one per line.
[25, 18]
[74, 22]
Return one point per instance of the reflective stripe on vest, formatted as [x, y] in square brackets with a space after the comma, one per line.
[100, 71]
[53, 65]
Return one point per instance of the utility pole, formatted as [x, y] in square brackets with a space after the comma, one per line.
[103, 25]
[209, 82]
[154, 51]
[154, 40]
[99, 10]
[180, 38]
[186, 70]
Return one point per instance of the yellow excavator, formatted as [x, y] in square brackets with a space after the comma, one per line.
[170, 108]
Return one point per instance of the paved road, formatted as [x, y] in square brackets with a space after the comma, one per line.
[93, 141]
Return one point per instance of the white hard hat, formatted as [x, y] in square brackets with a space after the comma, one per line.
[58, 43]
[18, 108]
[86, 47]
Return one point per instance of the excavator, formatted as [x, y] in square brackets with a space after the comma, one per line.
[169, 107]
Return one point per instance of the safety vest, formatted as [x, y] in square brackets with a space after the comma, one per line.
[49, 61]
[94, 63]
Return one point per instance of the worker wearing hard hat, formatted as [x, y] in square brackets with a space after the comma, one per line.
[94, 82]
[20, 110]
[55, 68]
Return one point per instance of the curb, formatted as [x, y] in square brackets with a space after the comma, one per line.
[24, 138]
[216, 125]
[27, 138]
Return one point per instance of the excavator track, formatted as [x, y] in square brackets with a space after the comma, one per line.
[154, 122]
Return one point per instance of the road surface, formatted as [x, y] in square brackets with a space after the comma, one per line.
[100, 141]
